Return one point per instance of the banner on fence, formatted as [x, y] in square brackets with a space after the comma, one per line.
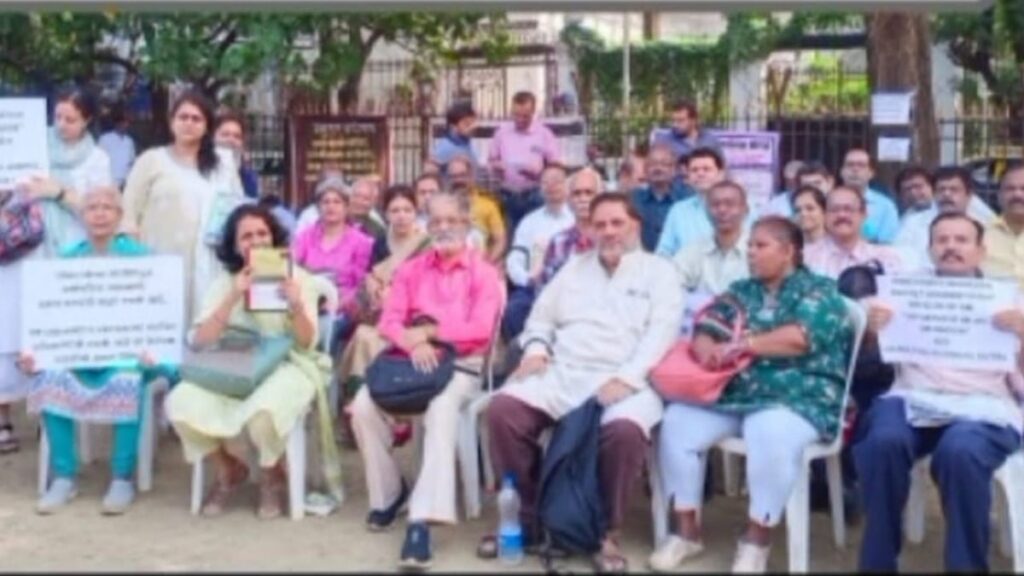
[947, 321]
[23, 150]
[752, 160]
[100, 312]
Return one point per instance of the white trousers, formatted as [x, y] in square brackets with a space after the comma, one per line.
[775, 438]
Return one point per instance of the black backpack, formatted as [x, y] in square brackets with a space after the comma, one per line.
[871, 376]
[571, 510]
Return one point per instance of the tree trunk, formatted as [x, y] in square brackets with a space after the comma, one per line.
[652, 25]
[900, 60]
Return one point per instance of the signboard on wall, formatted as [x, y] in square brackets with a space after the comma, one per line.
[752, 160]
[357, 145]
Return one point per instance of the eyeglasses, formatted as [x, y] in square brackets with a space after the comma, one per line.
[583, 192]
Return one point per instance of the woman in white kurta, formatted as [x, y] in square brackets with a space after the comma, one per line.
[77, 164]
[178, 196]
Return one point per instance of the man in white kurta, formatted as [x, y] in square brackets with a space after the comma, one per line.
[598, 328]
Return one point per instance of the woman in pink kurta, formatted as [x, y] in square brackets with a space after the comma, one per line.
[335, 248]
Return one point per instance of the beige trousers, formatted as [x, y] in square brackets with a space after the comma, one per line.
[433, 496]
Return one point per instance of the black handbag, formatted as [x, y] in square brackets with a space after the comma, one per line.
[397, 387]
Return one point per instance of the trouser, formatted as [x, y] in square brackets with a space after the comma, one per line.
[520, 302]
[516, 205]
[965, 455]
[60, 431]
[340, 334]
[775, 439]
[433, 497]
[515, 428]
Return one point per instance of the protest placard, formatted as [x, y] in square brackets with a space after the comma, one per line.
[23, 150]
[947, 322]
[99, 312]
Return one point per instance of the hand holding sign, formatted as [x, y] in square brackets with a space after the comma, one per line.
[1011, 321]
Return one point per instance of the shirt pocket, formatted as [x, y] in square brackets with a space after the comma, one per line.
[633, 305]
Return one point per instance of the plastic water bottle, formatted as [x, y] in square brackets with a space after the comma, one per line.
[510, 531]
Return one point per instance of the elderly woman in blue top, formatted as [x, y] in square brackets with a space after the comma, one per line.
[95, 395]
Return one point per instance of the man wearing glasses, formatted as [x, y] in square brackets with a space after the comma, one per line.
[844, 245]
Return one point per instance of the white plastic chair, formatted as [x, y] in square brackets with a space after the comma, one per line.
[798, 506]
[470, 431]
[327, 290]
[295, 456]
[1009, 477]
[148, 436]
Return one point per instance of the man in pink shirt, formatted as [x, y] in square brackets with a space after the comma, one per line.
[519, 151]
[451, 293]
[844, 246]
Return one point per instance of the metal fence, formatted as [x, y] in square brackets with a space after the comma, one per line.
[825, 138]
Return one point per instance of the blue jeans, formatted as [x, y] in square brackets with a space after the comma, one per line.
[965, 455]
[516, 205]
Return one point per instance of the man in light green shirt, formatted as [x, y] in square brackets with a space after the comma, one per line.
[710, 265]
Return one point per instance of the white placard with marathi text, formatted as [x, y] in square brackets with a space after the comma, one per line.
[102, 312]
[23, 148]
[947, 322]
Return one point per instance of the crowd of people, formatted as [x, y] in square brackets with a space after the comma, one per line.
[587, 287]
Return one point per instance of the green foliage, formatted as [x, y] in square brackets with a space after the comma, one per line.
[824, 87]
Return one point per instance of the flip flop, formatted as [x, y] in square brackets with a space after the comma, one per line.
[217, 498]
[8, 441]
[605, 563]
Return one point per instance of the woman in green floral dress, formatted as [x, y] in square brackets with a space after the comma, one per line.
[798, 335]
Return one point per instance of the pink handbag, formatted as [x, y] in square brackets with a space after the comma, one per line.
[679, 377]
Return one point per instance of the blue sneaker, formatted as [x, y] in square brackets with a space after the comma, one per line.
[416, 549]
[380, 520]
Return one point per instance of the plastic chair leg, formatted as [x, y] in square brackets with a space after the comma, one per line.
[798, 510]
[834, 471]
[296, 457]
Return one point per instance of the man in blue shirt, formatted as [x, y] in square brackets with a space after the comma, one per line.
[685, 134]
[883, 222]
[460, 122]
[662, 191]
[688, 221]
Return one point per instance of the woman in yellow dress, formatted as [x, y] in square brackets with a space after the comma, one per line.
[209, 423]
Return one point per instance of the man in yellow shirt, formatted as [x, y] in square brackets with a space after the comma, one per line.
[484, 208]
[1004, 242]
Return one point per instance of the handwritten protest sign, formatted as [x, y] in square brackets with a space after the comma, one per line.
[98, 312]
[23, 150]
[947, 322]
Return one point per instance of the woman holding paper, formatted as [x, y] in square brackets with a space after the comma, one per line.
[177, 196]
[93, 395]
[76, 165]
[207, 421]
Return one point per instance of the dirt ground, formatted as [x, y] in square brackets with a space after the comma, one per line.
[159, 534]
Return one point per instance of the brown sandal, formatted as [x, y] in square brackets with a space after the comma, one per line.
[271, 494]
[220, 492]
[609, 563]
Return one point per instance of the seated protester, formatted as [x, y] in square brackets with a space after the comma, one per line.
[526, 258]
[914, 190]
[94, 395]
[969, 421]
[662, 191]
[208, 423]
[486, 211]
[687, 221]
[596, 330]
[812, 174]
[309, 215]
[425, 186]
[405, 239]
[631, 175]
[584, 186]
[843, 245]
[883, 220]
[334, 247]
[809, 213]
[363, 208]
[953, 194]
[789, 173]
[789, 397]
[1003, 244]
[684, 134]
[459, 123]
[710, 266]
[450, 293]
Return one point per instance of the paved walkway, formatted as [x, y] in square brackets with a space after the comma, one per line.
[158, 534]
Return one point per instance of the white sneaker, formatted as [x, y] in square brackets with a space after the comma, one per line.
[60, 492]
[119, 497]
[672, 552]
[750, 559]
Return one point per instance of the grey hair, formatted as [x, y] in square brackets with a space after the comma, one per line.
[590, 172]
[331, 182]
[102, 189]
